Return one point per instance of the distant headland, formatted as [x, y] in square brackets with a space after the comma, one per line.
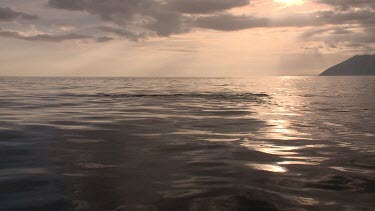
[357, 65]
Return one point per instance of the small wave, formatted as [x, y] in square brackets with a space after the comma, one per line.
[83, 141]
[22, 171]
[95, 165]
[213, 96]
[338, 182]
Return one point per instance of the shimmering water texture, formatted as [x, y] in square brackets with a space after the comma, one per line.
[265, 143]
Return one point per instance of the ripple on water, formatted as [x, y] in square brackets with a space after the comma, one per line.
[270, 148]
[353, 170]
[226, 199]
[337, 182]
[208, 150]
[84, 141]
[22, 171]
[95, 165]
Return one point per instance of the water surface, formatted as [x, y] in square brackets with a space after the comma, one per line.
[264, 143]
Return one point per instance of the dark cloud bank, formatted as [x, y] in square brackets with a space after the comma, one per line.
[348, 4]
[347, 21]
[7, 14]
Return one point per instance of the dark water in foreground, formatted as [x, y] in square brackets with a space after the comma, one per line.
[272, 143]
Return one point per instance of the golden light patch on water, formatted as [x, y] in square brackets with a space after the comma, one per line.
[306, 201]
[311, 159]
[316, 145]
[280, 129]
[284, 112]
[278, 135]
[271, 148]
[221, 139]
[267, 167]
[293, 162]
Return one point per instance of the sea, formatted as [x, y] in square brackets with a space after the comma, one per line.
[187, 144]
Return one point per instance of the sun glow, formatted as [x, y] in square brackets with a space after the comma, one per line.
[290, 2]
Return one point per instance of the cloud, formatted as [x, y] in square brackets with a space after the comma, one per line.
[336, 29]
[204, 6]
[104, 39]
[42, 37]
[346, 28]
[7, 14]
[346, 21]
[138, 19]
[123, 33]
[358, 16]
[128, 8]
[349, 4]
[135, 17]
[347, 36]
[228, 22]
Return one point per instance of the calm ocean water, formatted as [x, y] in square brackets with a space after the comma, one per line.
[263, 143]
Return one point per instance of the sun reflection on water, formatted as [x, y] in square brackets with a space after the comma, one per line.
[270, 148]
[280, 129]
[267, 167]
[293, 162]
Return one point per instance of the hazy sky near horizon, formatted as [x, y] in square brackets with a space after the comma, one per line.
[181, 37]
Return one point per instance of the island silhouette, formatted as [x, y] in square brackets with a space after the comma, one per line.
[357, 65]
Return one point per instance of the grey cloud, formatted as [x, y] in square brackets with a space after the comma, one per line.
[107, 9]
[42, 37]
[56, 38]
[341, 31]
[330, 30]
[155, 17]
[138, 19]
[151, 16]
[348, 4]
[127, 8]
[352, 37]
[361, 16]
[343, 28]
[123, 33]
[334, 28]
[69, 4]
[228, 22]
[168, 23]
[204, 6]
[104, 39]
[7, 14]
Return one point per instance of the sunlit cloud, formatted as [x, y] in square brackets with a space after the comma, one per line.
[290, 2]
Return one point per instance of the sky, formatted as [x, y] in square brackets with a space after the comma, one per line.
[181, 38]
